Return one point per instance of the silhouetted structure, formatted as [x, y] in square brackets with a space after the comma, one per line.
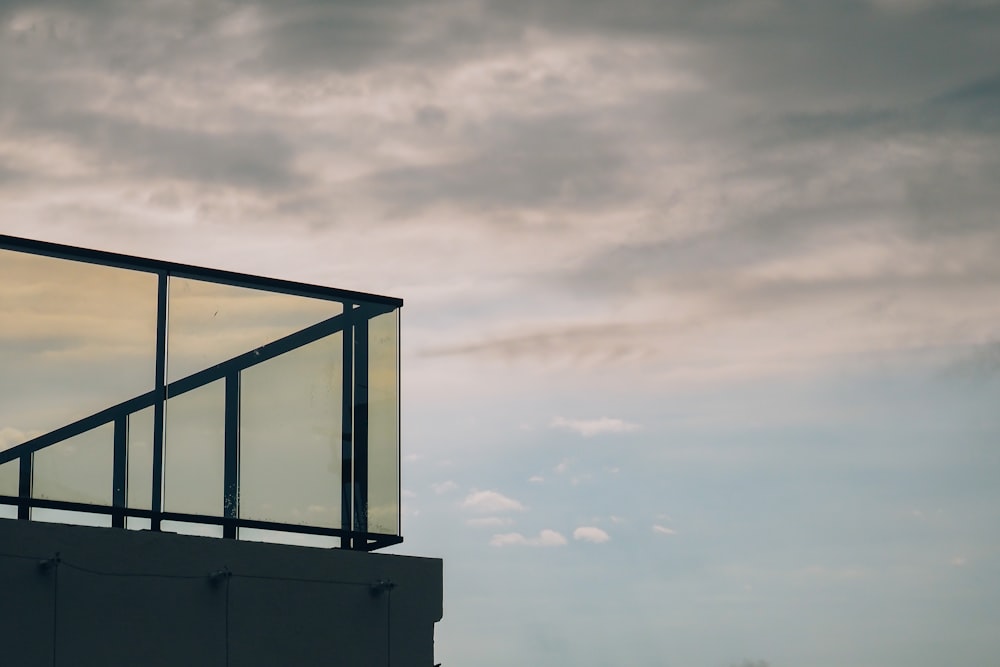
[149, 396]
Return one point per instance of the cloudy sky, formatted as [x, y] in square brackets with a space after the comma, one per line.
[702, 329]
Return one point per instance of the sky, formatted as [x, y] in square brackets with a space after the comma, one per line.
[701, 335]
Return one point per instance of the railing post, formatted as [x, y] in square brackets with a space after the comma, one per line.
[231, 470]
[120, 474]
[159, 406]
[347, 427]
[361, 425]
[24, 487]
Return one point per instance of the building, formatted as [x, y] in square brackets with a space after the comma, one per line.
[229, 445]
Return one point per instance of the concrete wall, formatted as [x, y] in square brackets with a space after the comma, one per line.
[127, 598]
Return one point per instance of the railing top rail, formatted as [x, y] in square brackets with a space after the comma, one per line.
[189, 271]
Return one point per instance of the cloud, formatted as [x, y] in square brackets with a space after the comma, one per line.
[489, 521]
[532, 142]
[444, 487]
[536, 479]
[591, 534]
[555, 160]
[592, 427]
[546, 538]
[663, 530]
[490, 502]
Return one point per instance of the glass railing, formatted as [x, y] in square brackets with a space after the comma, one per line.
[143, 394]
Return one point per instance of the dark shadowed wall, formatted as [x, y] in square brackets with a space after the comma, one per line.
[116, 597]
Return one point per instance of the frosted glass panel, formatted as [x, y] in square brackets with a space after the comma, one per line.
[194, 451]
[75, 338]
[290, 436]
[210, 323]
[383, 424]
[140, 459]
[9, 477]
[78, 470]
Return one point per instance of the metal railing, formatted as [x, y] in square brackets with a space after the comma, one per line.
[358, 358]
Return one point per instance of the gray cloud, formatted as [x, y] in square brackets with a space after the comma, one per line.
[693, 149]
[241, 158]
[555, 160]
[309, 37]
[799, 53]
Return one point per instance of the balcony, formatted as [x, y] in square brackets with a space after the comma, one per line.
[142, 394]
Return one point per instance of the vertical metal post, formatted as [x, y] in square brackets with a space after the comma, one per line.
[361, 425]
[159, 407]
[231, 474]
[347, 427]
[399, 423]
[118, 488]
[24, 487]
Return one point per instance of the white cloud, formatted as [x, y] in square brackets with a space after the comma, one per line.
[491, 502]
[562, 467]
[590, 534]
[663, 530]
[490, 521]
[508, 539]
[536, 479]
[592, 427]
[546, 538]
[549, 538]
[959, 561]
[444, 487]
